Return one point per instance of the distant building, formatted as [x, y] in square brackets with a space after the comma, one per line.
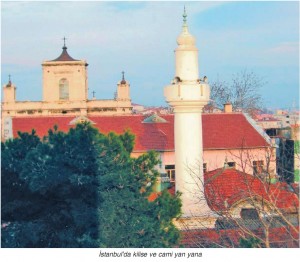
[65, 92]
[287, 118]
[136, 108]
[283, 128]
[295, 135]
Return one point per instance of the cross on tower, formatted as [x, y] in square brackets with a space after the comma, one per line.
[64, 41]
[93, 93]
[123, 78]
[9, 80]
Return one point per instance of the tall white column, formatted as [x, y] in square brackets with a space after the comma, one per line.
[188, 95]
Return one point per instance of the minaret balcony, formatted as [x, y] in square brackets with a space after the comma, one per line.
[196, 94]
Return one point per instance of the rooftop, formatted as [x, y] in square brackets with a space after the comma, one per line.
[224, 188]
[64, 56]
[220, 131]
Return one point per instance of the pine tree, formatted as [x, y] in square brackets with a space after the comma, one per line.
[15, 196]
[84, 190]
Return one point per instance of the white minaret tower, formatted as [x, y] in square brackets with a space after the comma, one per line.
[187, 94]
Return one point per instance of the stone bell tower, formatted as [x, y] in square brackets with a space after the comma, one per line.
[9, 92]
[65, 79]
[187, 95]
[123, 89]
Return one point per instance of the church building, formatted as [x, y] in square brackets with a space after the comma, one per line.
[65, 92]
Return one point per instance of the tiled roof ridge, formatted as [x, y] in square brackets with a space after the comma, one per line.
[229, 131]
[223, 113]
[258, 128]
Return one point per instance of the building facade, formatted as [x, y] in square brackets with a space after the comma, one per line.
[65, 92]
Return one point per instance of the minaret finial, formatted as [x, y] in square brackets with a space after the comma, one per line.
[64, 42]
[185, 26]
[184, 16]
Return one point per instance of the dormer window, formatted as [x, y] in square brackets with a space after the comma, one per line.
[63, 89]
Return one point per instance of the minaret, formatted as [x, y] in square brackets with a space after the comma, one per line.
[187, 95]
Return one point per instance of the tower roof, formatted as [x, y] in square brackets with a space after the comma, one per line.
[123, 82]
[64, 56]
[9, 81]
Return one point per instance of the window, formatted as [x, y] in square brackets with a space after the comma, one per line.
[170, 169]
[249, 213]
[204, 167]
[229, 164]
[63, 89]
[258, 167]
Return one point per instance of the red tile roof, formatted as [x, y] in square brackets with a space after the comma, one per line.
[226, 187]
[154, 195]
[220, 131]
[229, 131]
[278, 237]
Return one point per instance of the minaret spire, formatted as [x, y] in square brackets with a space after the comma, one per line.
[185, 26]
[186, 54]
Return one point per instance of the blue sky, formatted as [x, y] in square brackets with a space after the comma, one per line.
[140, 37]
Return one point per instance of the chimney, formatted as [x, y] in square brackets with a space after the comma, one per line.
[228, 107]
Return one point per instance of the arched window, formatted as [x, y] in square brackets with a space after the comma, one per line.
[63, 89]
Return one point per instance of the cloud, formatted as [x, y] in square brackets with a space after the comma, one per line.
[285, 48]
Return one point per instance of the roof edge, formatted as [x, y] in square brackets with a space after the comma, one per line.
[258, 128]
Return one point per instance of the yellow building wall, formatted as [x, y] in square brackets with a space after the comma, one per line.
[76, 74]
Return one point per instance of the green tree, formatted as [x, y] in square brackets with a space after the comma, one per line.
[134, 221]
[250, 242]
[15, 195]
[86, 191]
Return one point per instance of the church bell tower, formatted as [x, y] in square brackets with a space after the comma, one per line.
[65, 79]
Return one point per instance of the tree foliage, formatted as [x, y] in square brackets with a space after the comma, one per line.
[250, 242]
[242, 91]
[82, 189]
